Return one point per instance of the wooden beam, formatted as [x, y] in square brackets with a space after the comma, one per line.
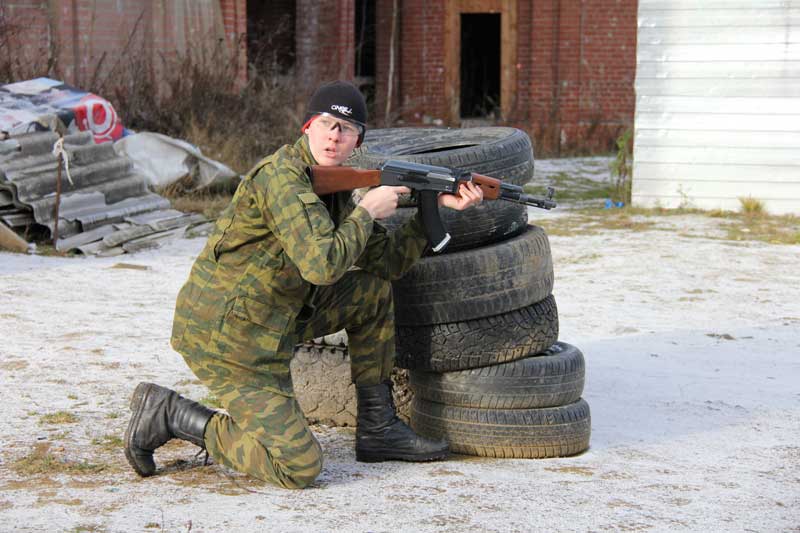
[11, 241]
[481, 6]
[508, 58]
[452, 63]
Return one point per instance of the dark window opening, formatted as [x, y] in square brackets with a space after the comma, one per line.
[365, 50]
[480, 65]
[365, 38]
[270, 36]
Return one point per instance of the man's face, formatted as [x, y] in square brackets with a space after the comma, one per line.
[331, 139]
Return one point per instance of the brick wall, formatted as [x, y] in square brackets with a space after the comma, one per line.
[574, 70]
[576, 62]
[234, 18]
[418, 95]
[84, 42]
[27, 44]
[324, 41]
[579, 74]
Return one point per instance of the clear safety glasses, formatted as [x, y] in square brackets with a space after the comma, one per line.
[328, 122]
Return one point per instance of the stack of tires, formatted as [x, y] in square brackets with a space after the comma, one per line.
[477, 325]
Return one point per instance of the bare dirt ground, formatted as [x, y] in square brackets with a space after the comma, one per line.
[692, 344]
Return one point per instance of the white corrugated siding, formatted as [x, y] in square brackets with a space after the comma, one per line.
[718, 104]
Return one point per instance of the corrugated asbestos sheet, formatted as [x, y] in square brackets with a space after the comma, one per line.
[718, 104]
[106, 210]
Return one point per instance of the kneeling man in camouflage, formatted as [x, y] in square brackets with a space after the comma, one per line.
[284, 265]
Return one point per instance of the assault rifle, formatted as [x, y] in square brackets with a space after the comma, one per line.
[428, 181]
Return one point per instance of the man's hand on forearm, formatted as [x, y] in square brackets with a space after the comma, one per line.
[468, 195]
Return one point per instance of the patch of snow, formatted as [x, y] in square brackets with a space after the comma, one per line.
[691, 347]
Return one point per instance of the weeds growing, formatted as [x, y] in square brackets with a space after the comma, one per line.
[59, 417]
[197, 98]
[42, 461]
[108, 443]
[752, 207]
[767, 228]
[736, 226]
[751, 222]
[23, 62]
[573, 188]
[622, 169]
[594, 221]
[88, 528]
[208, 203]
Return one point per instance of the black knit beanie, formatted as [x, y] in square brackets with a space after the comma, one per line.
[340, 99]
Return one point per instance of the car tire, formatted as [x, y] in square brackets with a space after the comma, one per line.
[501, 152]
[479, 342]
[506, 433]
[486, 223]
[551, 378]
[476, 283]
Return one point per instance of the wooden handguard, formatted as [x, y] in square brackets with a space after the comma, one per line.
[489, 186]
[327, 180]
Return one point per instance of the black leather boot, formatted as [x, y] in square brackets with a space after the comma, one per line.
[159, 415]
[381, 436]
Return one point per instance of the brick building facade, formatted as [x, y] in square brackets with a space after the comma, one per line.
[561, 69]
[567, 67]
[83, 42]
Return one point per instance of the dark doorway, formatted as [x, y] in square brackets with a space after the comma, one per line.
[480, 65]
[365, 38]
[270, 35]
[365, 50]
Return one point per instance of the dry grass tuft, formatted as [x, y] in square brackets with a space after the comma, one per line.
[736, 226]
[595, 221]
[42, 461]
[59, 417]
[765, 228]
[108, 443]
[752, 206]
[18, 63]
[89, 528]
[209, 204]
[196, 98]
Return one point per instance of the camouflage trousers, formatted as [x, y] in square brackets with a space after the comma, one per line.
[265, 434]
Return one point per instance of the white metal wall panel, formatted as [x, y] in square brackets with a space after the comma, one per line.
[718, 104]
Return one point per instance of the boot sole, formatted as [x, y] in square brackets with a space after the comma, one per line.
[137, 400]
[379, 457]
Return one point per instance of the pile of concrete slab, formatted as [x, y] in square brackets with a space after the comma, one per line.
[104, 207]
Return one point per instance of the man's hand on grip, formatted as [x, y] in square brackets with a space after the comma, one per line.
[381, 202]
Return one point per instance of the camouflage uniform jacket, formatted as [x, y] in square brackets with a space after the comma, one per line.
[272, 245]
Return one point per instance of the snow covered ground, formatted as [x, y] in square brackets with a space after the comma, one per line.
[692, 346]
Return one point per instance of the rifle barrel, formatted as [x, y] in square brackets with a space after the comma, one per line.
[511, 187]
[535, 201]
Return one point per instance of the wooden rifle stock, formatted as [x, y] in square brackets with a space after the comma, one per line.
[327, 180]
